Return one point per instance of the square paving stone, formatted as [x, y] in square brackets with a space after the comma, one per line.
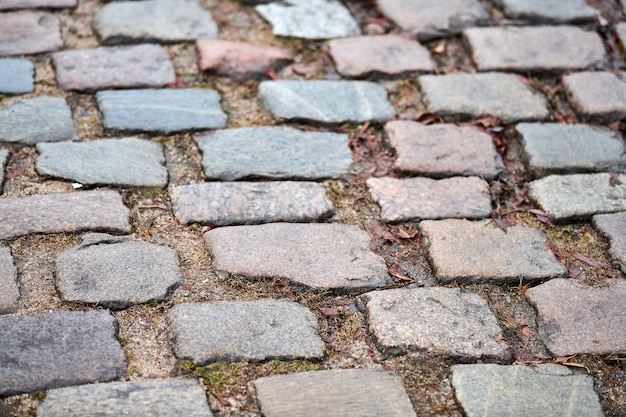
[4, 158]
[29, 33]
[549, 11]
[58, 349]
[321, 256]
[476, 252]
[436, 321]
[597, 96]
[16, 76]
[9, 292]
[245, 331]
[614, 227]
[28, 4]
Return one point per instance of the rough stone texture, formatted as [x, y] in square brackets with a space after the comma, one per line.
[63, 212]
[466, 251]
[555, 148]
[435, 321]
[39, 119]
[275, 152]
[309, 19]
[223, 204]
[28, 4]
[245, 331]
[620, 29]
[16, 76]
[153, 397]
[116, 272]
[29, 33]
[58, 349]
[549, 11]
[386, 54]
[597, 96]
[127, 161]
[326, 101]
[339, 392]
[161, 111]
[442, 150]
[534, 49]
[425, 198]
[434, 18]
[614, 226]
[9, 292]
[564, 197]
[464, 96]
[575, 318]
[115, 67]
[510, 391]
[316, 255]
[4, 157]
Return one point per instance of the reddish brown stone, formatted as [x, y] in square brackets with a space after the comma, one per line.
[597, 96]
[28, 4]
[29, 33]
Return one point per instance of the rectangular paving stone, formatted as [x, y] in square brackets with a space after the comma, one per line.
[24, 33]
[425, 198]
[614, 227]
[274, 152]
[29, 4]
[4, 158]
[16, 76]
[9, 291]
[549, 11]
[58, 349]
[230, 203]
[63, 212]
[477, 251]
[597, 96]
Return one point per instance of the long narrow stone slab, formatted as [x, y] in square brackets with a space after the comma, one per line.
[276, 152]
[597, 96]
[63, 212]
[4, 157]
[29, 4]
[58, 349]
[549, 11]
[29, 33]
[321, 256]
[614, 226]
[17, 76]
[9, 292]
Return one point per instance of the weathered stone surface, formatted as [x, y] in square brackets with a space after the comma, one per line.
[63, 212]
[597, 96]
[554, 148]
[16, 76]
[163, 397]
[549, 11]
[326, 101]
[386, 54]
[9, 292]
[113, 67]
[463, 96]
[534, 49]
[565, 197]
[4, 157]
[614, 226]
[178, 20]
[29, 33]
[434, 18]
[315, 255]
[245, 331]
[127, 161]
[39, 119]
[161, 111]
[442, 150]
[620, 29]
[425, 198]
[275, 152]
[509, 391]
[310, 19]
[58, 349]
[28, 4]
[466, 251]
[117, 272]
[436, 321]
[250, 202]
[575, 318]
[340, 392]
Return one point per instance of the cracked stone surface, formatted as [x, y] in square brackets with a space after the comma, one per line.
[614, 227]
[9, 291]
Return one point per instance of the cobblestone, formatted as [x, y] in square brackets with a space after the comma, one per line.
[26, 4]
[16, 76]
[597, 96]
[614, 226]
[620, 29]
[4, 157]
[29, 33]
[549, 11]
[9, 291]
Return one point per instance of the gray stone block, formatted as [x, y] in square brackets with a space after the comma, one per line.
[614, 226]
[28, 4]
[9, 292]
[4, 157]
[620, 29]
[549, 11]
[24, 33]
[597, 96]
[16, 76]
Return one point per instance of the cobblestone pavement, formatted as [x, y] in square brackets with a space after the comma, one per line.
[312, 207]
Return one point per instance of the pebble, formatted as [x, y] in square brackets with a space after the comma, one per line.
[29, 4]
[16, 76]
[597, 96]
[549, 11]
[24, 33]
[9, 291]
[614, 227]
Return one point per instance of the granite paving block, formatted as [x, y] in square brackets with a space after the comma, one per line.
[161, 111]
[338, 392]
[478, 251]
[39, 119]
[4, 158]
[425, 198]
[564, 197]
[29, 4]
[309, 19]
[9, 291]
[170, 397]
[63, 212]
[117, 272]
[442, 150]
[401, 320]
[275, 152]
[324, 256]
[231, 203]
[461, 96]
[534, 49]
[326, 101]
[126, 161]
[245, 331]
[549, 11]
[511, 391]
[16, 76]
[113, 67]
[614, 227]
[58, 349]
[29, 33]
[575, 318]
[597, 96]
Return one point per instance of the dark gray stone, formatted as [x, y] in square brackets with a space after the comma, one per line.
[28, 4]
[275, 152]
[614, 227]
[16, 76]
[24, 33]
[597, 96]
[4, 157]
[58, 349]
[9, 292]
[549, 11]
